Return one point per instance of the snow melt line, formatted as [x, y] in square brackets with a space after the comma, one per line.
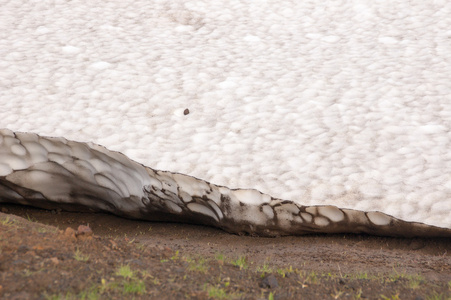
[57, 173]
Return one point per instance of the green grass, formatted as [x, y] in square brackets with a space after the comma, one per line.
[361, 275]
[337, 294]
[414, 282]
[220, 258]
[29, 273]
[240, 262]
[30, 219]
[437, 296]
[358, 294]
[134, 287]
[79, 256]
[54, 297]
[311, 277]
[130, 283]
[46, 230]
[284, 271]
[154, 280]
[197, 265]
[393, 297]
[175, 256]
[7, 222]
[216, 292]
[140, 246]
[264, 269]
[92, 293]
[125, 272]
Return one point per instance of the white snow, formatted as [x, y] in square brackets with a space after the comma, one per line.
[5, 169]
[332, 213]
[378, 218]
[18, 150]
[196, 207]
[347, 104]
[251, 197]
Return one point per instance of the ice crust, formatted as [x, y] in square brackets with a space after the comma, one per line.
[347, 104]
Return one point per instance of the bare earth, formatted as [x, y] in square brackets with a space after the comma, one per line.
[122, 258]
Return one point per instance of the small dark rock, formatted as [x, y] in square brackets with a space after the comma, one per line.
[23, 249]
[137, 262]
[341, 281]
[20, 262]
[269, 281]
[186, 111]
[56, 211]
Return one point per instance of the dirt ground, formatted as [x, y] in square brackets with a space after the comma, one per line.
[46, 255]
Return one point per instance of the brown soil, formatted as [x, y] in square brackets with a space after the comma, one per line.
[178, 261]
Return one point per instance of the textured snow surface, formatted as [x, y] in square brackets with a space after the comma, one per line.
[346, 104]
